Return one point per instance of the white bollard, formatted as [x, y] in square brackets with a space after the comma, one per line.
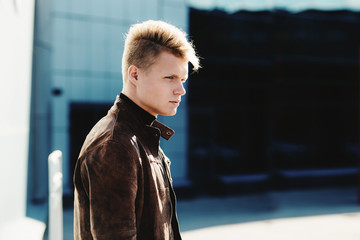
[55, 196]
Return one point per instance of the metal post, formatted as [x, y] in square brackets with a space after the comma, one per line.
[55, 196]
[359, 126]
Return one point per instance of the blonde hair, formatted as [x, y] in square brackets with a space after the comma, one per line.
[145, 41]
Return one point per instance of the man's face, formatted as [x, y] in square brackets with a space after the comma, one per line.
[159, 88]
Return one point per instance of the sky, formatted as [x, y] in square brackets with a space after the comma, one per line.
[290, 5]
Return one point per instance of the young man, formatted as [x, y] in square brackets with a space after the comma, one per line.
[123, 188]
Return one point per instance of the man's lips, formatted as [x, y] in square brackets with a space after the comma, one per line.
[176, 101]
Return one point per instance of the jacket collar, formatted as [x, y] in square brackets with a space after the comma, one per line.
[165, 131]
[147, 118]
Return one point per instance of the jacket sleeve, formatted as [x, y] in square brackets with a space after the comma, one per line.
[110, 175]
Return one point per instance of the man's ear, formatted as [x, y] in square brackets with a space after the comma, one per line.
[133, 72]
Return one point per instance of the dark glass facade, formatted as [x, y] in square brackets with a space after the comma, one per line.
[277, 98]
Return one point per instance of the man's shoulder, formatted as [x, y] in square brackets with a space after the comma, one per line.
[107, 131]
[109, 153]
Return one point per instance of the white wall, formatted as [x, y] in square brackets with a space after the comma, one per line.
[16, 41]
[87, 42]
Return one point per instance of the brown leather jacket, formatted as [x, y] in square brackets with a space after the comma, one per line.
[122, 181]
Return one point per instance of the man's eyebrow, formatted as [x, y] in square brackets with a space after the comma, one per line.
[177, 76]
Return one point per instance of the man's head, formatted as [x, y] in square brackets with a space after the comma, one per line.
[155, 66]
[145, 41]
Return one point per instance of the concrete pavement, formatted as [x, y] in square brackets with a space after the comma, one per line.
[321, 214]
[324, 227]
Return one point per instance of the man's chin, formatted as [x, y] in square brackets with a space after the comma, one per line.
[172, 113]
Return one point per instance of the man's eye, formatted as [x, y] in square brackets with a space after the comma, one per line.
[169, 77]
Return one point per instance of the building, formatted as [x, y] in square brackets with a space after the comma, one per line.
[277, 101]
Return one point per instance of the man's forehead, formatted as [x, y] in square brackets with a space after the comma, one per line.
[171, 64]
[177, 71]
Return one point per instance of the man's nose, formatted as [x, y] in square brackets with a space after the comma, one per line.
[180, 90]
